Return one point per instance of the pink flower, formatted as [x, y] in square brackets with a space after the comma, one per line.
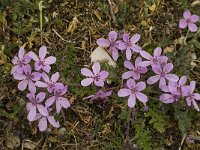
[99, 95]
[41, 62]
[27, 78]
[50, 84]
[43, 120]
[61, 101]
[191, 96]
[20, 62]
[172, 95]
[162, 75]
[189, 20]
[155, 60]
[135, 70]
[35, 104]
[129, 45]
[97, 76]
[133, 91]
[112, 43]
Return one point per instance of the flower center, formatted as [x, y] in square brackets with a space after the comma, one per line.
[41, 63]
[176, 97]
[29, 76]
[97, 77]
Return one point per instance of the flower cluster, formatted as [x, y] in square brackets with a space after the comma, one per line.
[40, 106]
[169, 83]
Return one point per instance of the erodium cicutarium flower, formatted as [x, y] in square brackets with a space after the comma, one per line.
[97, 76]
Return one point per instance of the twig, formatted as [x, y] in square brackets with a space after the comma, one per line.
[184, 136]
[112, 13]
[60, 36]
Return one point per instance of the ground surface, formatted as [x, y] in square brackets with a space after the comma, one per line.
[70, 30]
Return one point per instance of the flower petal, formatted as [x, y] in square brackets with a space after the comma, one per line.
[144, 63]
[53, 122]
[157, 51]
[41, 84]
[182, 80]
[131, 101]
[42, 124]
[33, 56]
[195, 105]
[115, 54]
[128, 54]
[36, 76]
[40, 96]
[128, 65]
[130, 83]
[103, 74]
[168, 67]
[87, 81]
[99, 83]
[46, 68]
[96, 68]
[43, 110]
[127, 74]
[32, 114]
[187, 14]
[126, 37]
[142, 97]
[50, 60]
[192, 27]
[45, 77]
[182, 23]
[19, 76]
[64, 102]
[153, 79]
[55, 77]
[31, 86]
[172, 77]
[42, 52]
[197, 96]
[21, 53]
[22, 85]
[58, 106]
[194, 18]
[124, 92]
[141, 86]
[112, 36]
[103, 42]
[145, 55]
[135, 38]
[166, 98]
[50, 101]
[86, 72]
[192, 86]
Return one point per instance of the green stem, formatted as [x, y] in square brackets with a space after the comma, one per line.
[40, 9]
[186, 37]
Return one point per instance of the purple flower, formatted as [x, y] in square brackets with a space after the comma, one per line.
[162, 75]
[189, 20]
[174, 94]
[112, 43]
[135, 70]
[98, 77]
[99, 95]
[27, 78]
[20, 62]
[61, 101]
[129, 45]
[41, 62]
[133, 91]
[154, 60]
[50, 84]
[34, 104]
[44, 119]
[191, 96]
